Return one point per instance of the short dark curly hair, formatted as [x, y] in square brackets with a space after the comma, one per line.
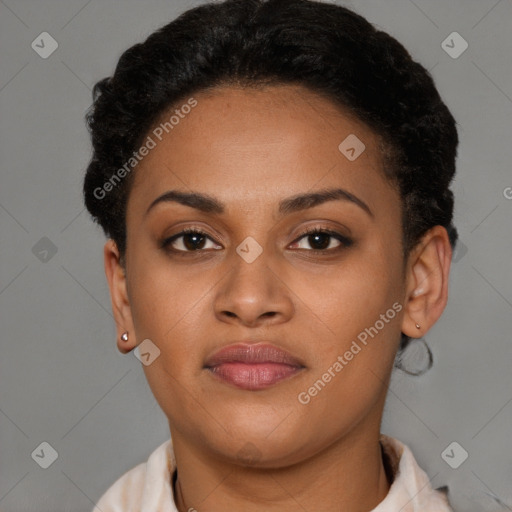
[324, 47]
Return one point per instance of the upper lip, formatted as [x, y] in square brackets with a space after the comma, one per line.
[244, 352]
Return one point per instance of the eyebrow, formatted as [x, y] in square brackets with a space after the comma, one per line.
[208, 204]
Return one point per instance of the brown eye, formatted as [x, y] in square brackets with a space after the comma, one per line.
[322, 240]
[189, 240]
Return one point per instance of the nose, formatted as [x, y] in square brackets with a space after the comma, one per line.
[253, 294]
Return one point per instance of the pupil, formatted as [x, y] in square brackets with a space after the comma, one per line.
[195, 243]
[317, 241]
[320, 236]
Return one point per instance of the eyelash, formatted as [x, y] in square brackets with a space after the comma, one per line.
[344, 241]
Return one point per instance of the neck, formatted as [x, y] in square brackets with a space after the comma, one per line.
[348, 475]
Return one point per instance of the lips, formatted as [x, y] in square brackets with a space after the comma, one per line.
[252, 366]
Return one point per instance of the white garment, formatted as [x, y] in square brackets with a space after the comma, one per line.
[147, 487]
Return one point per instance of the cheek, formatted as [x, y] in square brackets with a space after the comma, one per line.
[357, 310]
[350, 297]
[354, 359]
[168, 309]
[167, 306]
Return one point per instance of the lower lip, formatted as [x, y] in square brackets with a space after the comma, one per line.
[253, 376]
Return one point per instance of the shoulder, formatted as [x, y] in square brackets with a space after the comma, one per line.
[411, 488]
[125, 494]
[128, 493]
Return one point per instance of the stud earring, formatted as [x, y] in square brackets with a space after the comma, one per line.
[417, 326]
[124, 336]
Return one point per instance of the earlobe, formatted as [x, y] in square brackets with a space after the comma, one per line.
[124, 344]
[427, 282]
[116, 278]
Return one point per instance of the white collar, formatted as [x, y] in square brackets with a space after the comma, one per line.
[147, 487]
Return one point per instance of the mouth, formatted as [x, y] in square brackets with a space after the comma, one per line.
[252, 366]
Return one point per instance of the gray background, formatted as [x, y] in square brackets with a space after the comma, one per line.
[62, 379]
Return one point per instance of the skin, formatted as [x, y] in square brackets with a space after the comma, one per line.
[250, 149]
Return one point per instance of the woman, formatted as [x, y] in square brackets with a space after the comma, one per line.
[273, 180]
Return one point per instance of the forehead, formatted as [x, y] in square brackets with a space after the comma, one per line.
[255, 146]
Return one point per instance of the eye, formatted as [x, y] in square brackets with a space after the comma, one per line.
[322, 240]
[189, 240]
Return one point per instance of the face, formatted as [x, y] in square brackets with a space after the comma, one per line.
[255, 273]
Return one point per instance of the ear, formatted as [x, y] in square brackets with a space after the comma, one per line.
[116, 278]
[428, 271]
